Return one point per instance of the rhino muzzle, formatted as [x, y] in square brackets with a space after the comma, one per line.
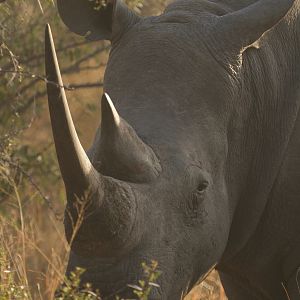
[100, 198]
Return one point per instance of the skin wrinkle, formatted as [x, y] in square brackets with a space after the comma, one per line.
[229, 71]
[292, 85]
[257, 95]
[282, 163]
[150, 58]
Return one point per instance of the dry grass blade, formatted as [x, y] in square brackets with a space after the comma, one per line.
[41, 7]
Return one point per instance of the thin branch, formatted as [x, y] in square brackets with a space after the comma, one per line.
[69, 69]
[71, 87]
[41, 55]
[31, 75]
[87, 85]
[76, 65]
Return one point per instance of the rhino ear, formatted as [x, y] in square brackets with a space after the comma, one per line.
[246, 26]
[106, 23]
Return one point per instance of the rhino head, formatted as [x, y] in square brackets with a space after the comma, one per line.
[162, 184]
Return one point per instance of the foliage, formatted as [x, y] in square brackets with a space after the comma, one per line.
[145, 286]
[72, 288]
[9, 288]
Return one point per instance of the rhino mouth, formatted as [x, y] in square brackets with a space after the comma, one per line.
[112, 277]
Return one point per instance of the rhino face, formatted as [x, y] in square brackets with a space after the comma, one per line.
[156, 189]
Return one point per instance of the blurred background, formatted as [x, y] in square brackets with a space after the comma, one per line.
[33, 250]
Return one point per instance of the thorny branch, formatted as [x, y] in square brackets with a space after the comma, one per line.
[39, 56]
[31, 75]
[69, 87]
[13, 59]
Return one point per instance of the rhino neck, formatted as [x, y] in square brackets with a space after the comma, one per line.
[269, 93]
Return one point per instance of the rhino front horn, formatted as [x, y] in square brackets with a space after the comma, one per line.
[76, 168]
[121, 152]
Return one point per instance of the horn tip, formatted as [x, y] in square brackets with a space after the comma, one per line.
[48, 39]
[48, 30]
[108, 109]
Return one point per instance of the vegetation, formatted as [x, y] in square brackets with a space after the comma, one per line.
[33, 250]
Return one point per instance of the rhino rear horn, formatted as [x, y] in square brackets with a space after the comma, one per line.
[96, 23]
[122, 153]
[244, 27]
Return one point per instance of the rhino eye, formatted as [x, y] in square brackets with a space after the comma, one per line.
[202, 187]
[196, 199]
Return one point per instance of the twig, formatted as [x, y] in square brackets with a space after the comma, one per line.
[87, 85]
[41, 55]
[38, 77]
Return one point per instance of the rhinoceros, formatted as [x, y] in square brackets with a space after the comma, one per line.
[196, 163]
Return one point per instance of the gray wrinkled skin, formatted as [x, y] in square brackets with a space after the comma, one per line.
[222, 118]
